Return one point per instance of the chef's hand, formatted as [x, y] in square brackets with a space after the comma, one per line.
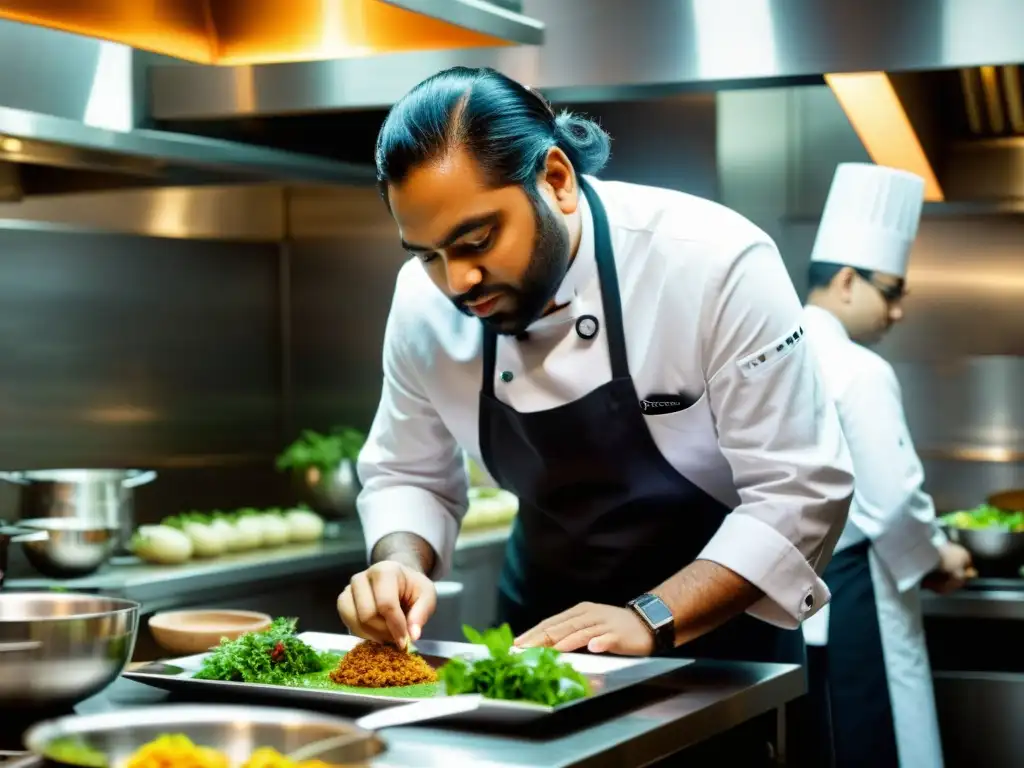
[388, 602]
[598, 628]
[955, 568]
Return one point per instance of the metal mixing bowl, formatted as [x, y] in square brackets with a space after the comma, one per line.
[236, 730]
[332, 494]
[996, 552]
[74, 547]
[57, 649]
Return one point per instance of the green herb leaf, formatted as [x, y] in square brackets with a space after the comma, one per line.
[535, 674]
[324, 452]
[275, 656]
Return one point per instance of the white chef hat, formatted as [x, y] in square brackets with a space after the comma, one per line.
[870, 218]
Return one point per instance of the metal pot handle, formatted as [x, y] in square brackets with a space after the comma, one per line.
[14, 477]
[27, 645]
[140, 479]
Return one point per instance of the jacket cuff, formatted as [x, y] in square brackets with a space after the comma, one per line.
[407, 509]
[769, 561]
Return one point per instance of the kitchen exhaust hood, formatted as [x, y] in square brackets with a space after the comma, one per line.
[68, 123]
[46, 155]
[899, 68]
[961, 129]
[238, 32]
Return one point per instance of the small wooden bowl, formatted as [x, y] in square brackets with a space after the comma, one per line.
[189, 632]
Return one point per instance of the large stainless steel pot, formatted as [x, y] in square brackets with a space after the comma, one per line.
[101, 496]
[57, 649]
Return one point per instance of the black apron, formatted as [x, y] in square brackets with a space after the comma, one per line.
[603, 516]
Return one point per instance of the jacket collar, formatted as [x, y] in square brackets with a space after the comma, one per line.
[825, 322]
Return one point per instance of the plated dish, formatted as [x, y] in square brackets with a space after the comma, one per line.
[282, 665]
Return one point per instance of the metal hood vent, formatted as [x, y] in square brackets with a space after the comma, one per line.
[69, 123]
[602, 50]
[961, 129]
[240, 32]
[46, 155]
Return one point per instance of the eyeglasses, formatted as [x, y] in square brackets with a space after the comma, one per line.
[891, 292]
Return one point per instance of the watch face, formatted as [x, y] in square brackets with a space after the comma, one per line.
[656, 611]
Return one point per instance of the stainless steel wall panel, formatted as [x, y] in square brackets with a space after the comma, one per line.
[237, 213]
[125, 351]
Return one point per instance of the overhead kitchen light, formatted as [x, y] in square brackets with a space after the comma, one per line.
[961, 129]
[878, 116]
[232, 32]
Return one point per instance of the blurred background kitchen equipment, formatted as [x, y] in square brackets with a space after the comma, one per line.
[11, 534]
[58, 649]
[72, 548]
[101, 496]
[331, 493]
[992, 532]
[996, 553]
[323, 466]
[1009, 501]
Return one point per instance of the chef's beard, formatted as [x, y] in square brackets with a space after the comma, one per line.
[547, 268]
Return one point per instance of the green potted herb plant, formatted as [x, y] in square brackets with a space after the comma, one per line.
[324, 467]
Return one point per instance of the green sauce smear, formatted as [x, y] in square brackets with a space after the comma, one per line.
[321, 681]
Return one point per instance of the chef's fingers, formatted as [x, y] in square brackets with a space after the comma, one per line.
[580, 638]
[363, 595]
[422, 608]
[542, 633]
[347, 611]
[604, 643]
[385, 593]
[971, 573]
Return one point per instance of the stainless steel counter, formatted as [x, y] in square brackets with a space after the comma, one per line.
[1001, 599]
[159, 586]
[654, 721]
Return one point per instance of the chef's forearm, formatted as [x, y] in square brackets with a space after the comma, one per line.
[703, 596]
[408, 549]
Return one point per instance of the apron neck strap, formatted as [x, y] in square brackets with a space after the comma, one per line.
[611, 300]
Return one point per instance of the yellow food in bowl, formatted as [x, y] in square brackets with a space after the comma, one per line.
[178, 751]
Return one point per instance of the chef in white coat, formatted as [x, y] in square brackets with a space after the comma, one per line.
[627, 361]
[876, 668]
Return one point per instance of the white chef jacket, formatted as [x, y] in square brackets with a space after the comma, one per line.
[889, 506]
[709, 311]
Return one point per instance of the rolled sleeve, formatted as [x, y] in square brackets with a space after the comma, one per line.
[410, 509]
[411, 467]
[781, 435]
[764, 557]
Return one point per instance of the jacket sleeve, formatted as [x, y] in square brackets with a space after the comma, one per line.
[411, 468]
[780, 434]
[889, 505]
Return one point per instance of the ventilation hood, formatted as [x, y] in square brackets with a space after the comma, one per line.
[68, 123]
[234, 32]
[961, 129]
[905, 64]
[46, 155]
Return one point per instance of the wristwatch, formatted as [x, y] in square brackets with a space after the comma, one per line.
[658, 619]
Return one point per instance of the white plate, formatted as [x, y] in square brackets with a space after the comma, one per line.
[607, 674]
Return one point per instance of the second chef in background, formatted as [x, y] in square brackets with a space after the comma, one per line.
[627, 360]
[876, 669]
